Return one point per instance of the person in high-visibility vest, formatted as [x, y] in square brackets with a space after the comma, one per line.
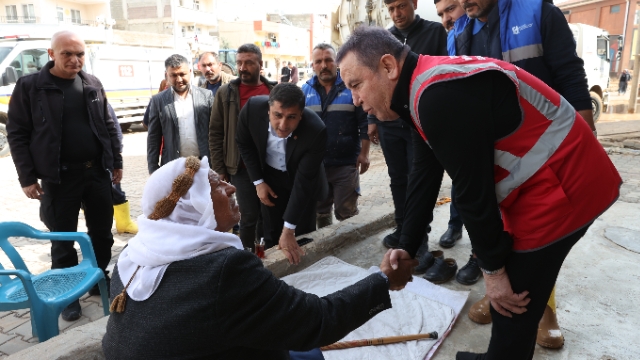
[530, 175]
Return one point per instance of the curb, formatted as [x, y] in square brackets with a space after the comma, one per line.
[85, 342]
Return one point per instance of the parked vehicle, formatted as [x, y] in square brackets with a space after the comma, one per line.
[130, 75]
[592, 46]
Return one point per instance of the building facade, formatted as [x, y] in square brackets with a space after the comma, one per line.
[618, 17]
[279, 42]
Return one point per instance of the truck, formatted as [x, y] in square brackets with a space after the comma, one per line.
[130, 75]
[592, 44]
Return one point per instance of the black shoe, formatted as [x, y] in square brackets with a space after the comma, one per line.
[441, 271]
[424, 247]
[72, 312]
[392, 240]
[470, 273]
[427, 260]
[95, 290]
[449, 238]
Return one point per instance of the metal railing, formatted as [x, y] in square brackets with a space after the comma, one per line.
[40, 20]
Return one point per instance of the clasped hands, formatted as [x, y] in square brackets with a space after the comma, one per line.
[398, 265]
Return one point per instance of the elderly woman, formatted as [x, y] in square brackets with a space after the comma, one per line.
[191, 292]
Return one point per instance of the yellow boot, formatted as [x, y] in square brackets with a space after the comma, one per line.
[549, 334]
[124, 224]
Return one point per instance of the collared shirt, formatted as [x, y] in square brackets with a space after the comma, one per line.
[276, 158]
[186, 124]
[277, 150]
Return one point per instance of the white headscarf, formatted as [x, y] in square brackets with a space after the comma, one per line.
[188, 232]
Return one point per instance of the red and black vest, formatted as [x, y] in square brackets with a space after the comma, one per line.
[552, 176]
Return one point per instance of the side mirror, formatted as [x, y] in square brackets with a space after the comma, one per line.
[10, 76]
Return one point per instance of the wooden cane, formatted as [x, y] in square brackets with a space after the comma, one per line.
[379, 341]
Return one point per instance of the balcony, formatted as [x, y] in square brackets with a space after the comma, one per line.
[44, 20]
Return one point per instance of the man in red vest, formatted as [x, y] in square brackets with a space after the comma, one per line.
[531, 175]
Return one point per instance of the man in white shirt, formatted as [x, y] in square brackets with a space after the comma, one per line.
[282, 143]
[178, 118]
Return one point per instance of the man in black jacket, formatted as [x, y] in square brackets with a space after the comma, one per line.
[425, 38]
[60, 131]
[178, 118]
[282, 143]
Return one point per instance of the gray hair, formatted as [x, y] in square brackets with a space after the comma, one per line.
[251, 48]
[215, 56]
[325, 46]
[369, 44]
[175, 60]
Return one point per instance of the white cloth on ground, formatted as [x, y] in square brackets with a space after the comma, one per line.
[414, 311]
[188, 232]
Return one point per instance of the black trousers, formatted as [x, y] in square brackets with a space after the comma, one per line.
[397, 148]
[536, 272]
[59, 210]
[118, 195]
[273, 216]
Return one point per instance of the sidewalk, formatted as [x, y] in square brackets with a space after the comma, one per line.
[15, 327]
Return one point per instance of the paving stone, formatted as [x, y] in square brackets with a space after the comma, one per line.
[6, 337]
[11, 322]
[14, 345]
[24, 331]
[82, 321]
[92, 311]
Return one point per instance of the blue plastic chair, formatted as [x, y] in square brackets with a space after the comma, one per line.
[47, 294]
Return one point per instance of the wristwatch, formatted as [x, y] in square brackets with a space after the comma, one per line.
[491, 272]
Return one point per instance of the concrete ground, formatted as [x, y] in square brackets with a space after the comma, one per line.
[596, 308]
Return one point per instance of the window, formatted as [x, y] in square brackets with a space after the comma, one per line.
[614, 9]
[30, 61]
[198, 31]
[566, 12]
[196, 4]
[29, 13]
[60, 14]
[75, 16]
[12, 13]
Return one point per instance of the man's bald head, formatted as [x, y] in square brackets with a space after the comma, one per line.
[64, 35]
[67, 53]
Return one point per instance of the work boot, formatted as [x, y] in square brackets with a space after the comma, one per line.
[441, 271]
[470, 273]
[323, 220]
[480, 312]
[124, 224]
[449, 238]
[427, 260]
[549, 334]
[72, 312]
[392, 240]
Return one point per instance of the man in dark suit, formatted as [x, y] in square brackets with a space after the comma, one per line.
[282, 144]
[180, 116]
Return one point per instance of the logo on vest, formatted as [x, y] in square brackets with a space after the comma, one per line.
[517, 29]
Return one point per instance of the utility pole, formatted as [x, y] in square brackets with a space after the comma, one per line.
[636, 74]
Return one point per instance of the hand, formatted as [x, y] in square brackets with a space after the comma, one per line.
[33, 191]
[226, 178]
[363, 163]
[402, 272]
[117, 176]
[264, 191]
[503, 299]
[289, 246]
[373, 134]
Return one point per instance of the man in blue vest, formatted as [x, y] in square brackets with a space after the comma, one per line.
[347, 153]
[533, 35]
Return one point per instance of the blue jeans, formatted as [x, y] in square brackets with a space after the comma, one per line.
[455, 221]
[397, 148]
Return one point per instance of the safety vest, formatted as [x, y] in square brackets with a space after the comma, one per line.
[552, 177]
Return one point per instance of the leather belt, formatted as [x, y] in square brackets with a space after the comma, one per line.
[78, 166]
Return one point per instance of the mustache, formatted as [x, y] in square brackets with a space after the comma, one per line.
[468, 5]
